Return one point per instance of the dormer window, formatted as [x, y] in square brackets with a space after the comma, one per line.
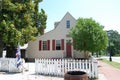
[68, 23]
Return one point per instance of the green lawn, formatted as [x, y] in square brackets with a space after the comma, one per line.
[114, 64]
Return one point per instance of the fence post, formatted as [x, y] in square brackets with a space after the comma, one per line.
[93, 69]
[96, 68]
[89, 61]
[65, 66]
[36, 64]
[62, 66]
[74, 64]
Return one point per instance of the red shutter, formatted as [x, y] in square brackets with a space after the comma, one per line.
[53, 44]
[48, 45]
[40, 44]
[62, 44]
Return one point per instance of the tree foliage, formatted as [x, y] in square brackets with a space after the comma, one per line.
[88, 35]
[18, 20]
[114, 39]
[40, 18]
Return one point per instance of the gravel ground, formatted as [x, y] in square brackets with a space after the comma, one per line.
[27, 75]
[30, 75]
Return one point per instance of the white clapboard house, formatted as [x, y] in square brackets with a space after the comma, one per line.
[55, 43]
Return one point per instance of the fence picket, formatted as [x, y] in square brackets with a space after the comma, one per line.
[58, 67]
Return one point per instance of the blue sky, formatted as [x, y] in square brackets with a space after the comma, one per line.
[106, 12]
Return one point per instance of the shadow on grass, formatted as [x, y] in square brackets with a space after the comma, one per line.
[92, 79]
[112, 63]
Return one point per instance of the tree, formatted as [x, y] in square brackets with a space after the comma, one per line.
[114, 39]
[18, 23]
[88, 35]
[40, 18]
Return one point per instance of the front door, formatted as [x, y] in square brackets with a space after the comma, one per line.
[68, 49]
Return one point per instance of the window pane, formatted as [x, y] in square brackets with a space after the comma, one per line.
[58, 45]
[68, 23]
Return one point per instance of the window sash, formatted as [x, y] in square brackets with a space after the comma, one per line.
[44, 45]
[58, 44]
[68, 23]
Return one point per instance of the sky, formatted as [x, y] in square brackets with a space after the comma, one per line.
[105, 12]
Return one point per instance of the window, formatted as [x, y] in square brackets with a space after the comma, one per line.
[44, 45]
[58, 44]
[68, 23]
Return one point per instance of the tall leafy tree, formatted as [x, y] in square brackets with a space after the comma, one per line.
[18, 23]
[88, 35]
[40, 18]
[114, 42]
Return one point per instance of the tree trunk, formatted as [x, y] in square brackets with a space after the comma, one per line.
[1, 48]
[11, 51]
[97, 54]
[86, 54]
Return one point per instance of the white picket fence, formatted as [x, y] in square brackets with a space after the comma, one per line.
[9, 65]
[58, 67]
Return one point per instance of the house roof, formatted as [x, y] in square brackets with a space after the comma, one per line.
[57, 24]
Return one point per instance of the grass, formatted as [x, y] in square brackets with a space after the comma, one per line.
[92, 79]
[112, 63]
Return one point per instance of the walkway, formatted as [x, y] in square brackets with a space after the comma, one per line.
[109, 72]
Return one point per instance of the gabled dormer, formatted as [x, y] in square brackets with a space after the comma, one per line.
[62, 27]
[66, 22]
